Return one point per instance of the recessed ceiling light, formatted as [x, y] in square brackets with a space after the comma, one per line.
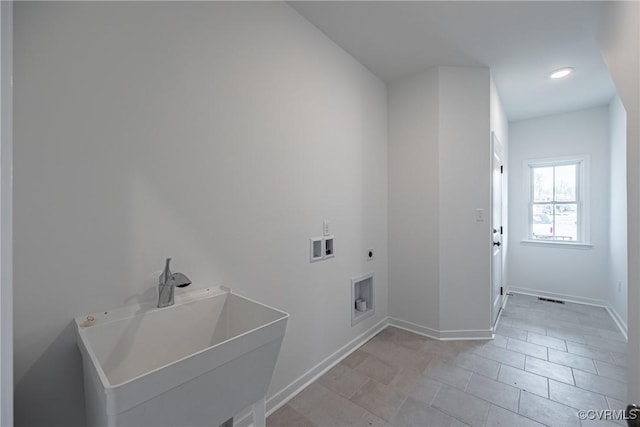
[562, 72]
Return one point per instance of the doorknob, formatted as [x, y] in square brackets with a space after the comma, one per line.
[496, 243]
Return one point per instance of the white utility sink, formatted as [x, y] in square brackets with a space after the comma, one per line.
[198, 362]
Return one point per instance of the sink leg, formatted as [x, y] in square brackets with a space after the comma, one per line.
[260, 413]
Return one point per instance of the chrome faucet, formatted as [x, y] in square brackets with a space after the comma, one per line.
[168, 282]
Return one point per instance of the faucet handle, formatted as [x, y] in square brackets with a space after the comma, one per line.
[180, 280]
[176, 279]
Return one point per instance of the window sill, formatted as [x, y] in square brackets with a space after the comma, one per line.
[557, 244]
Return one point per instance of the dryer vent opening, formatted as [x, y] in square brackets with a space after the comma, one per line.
[557, 301]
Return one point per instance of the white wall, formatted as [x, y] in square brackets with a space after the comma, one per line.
[620, 45]
[464, 184]
[578, 274]
[617, 280]
[439, 174]
[413, 200]
[498, 117]
[220, 134]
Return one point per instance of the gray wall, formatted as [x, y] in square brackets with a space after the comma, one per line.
[439, 163]
[414, 213]
[620, 45]
[220, 134]
[6, 203]
[465, 184]
[617, 280]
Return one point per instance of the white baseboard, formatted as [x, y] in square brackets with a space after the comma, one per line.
[620, 323]
[467, 334]
[471, 334]
[415, 328]
[504, 304]
[289, 392]
[562, 297]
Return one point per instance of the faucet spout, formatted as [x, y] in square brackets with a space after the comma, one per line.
[168, 283]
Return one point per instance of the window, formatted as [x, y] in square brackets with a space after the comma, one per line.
[556, 203]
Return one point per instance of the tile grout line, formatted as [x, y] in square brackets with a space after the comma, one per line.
[548, 390]
[468, 382]
[406, 396]
[433, 399]
[590, 392]
[367, 410]
[595, 392]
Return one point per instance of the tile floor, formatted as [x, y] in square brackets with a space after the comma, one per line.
[546, 362]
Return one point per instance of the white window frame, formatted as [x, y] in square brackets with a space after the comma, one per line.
[582, 195]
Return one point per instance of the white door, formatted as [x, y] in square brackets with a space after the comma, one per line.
[496, 215]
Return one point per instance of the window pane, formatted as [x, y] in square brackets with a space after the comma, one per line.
[567, 222]
[566, 183]
[542, 222]
[543, 184]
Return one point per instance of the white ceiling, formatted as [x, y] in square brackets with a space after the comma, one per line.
[520, 41]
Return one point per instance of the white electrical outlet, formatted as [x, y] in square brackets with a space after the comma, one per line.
[325, 227]
[479, 215]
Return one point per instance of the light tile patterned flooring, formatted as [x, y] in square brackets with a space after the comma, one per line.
[547, 361]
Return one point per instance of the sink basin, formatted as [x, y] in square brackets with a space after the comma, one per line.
[198, 362]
